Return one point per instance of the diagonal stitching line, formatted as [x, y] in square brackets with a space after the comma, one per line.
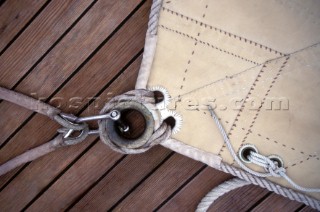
[265, 96]
[222, 31]
[304, 160]
[207, 44]
[248, 69]
[307, 156]
[242, 106]
[233, 76]
[258, 112]
[268, 61]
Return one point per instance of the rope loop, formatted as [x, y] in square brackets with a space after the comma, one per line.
[68, 128]
[219, 191]
[142, 101]
[272, 168]
[269, 165]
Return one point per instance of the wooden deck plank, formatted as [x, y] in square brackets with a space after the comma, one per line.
[72, 88]
[161, 184]
[240, 199]
[276, 202]
[307, 209]
[14, 16]
[90, 176]
[23, 54]
[226, 203]
[43, 32]
[123, 178]
[65, 58]
[89, 169]
[129, 40]
[189, 196]
[42, 171]
[84, 173]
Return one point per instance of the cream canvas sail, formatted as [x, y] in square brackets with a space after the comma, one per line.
[257, 63]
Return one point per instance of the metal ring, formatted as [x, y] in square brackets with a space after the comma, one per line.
[68, 124]
[245, 151]
[67, 140]
[110, 134]
[277, 159]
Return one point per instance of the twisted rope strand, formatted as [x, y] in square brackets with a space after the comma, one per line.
[256, 178]
[219, 191]
[261, 160]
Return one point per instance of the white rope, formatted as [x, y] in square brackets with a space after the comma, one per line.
[262, 182]
[269, 165]
[254, 177]
[154, 17]
[272, 169]
[219, 191]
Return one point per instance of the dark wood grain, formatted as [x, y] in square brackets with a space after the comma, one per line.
[92, 50]
[88, 77]
[42, 171]
[57, 17]
[277, 203]
[307, 209]
[112, 187]
[65, 59]
[161, 184]
[108, 191]
[240, 199]
[14, 16]
[101, 69]
[197, 188]
[26, 51]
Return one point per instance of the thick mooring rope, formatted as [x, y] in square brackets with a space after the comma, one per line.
[256, 178]
[219, 191]
[262, 182]
[146, 99]
[157, 133]
[154, 17]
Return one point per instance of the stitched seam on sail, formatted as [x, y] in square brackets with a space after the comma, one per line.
[263, 101]
[189, 60]
[207, 44]
[222, 31]
[242, 107]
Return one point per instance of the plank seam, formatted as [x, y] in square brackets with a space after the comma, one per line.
[92, 144]
[141, 181]
[31, 69]
[55, 43]
[2, 2]
[75, 72]
[95, 183]
[60, 174]
[260, 201]
[25, 26]
[181, 187]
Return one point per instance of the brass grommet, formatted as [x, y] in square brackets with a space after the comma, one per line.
[277, 159]
[244, 152]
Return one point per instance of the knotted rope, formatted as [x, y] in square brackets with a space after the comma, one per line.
[257, 178]
[144, 101]
[272, 169]
[143, 98]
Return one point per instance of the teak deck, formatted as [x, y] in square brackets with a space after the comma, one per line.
[59, 49]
